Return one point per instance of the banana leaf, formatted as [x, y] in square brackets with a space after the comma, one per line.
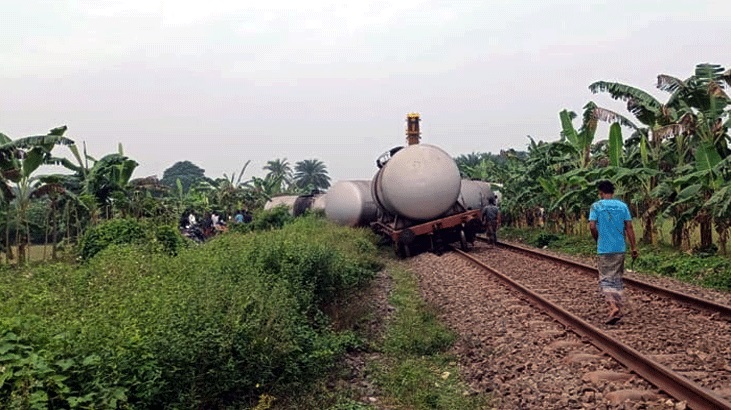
[615, 144]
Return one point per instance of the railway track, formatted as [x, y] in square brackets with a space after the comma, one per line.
[689, 359]
[694, 301]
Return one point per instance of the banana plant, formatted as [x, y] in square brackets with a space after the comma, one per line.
[720, 202]
[705, 106]
[660, 125]
[581, 141]
[19, 159]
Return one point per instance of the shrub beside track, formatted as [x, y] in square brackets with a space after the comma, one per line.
[222, 323]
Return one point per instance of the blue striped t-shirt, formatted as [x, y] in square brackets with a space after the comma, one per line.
[610, 215]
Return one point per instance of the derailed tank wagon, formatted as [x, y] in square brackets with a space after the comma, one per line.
[416, 200]
[420, 198]
[298, 204]
[350, 203]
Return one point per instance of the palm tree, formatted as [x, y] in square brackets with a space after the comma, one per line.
[280, 171]
[311, 175]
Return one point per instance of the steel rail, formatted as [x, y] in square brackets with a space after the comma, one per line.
[713, 307]
[664, 378]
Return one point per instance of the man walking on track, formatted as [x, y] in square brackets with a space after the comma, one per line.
[610, 222]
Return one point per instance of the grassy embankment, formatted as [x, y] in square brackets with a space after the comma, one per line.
[409, 365]
[227, 324]
[417, 370]
[247, 320]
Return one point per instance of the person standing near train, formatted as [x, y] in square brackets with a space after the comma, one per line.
[491, 219]
[610, 223]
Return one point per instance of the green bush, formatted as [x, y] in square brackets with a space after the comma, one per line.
[169, 238]
[220, 323]
[164, 238]
[544, 239]
[265, 220]
[115, 231]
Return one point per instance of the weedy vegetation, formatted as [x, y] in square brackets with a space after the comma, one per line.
[236, 322]
[417, 371]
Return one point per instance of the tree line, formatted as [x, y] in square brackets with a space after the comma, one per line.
[674, 167]
[58, 208]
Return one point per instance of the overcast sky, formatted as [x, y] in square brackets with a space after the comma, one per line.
[220, 82]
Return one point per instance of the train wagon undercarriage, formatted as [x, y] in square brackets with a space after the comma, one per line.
[409, 239]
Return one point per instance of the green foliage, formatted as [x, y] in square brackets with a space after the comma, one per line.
[423, 383]
[169, 239]
[188, 173]
[418, 373]
[416, 330]
[265, 220]
[109, 177]
[482, 166]
[218, 324]
[112, 232]
[164, 238]
[615, 144]
[544, 239]
[27, 377]
[703, 269]
[274, 218]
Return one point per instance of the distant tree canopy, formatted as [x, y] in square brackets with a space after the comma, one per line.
[188, 173]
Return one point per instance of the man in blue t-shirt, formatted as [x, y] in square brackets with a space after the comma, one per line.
[609, 222]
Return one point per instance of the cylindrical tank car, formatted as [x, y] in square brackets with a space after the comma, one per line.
[417, 190]
[350, 203]
[420, 182]
[298, 204]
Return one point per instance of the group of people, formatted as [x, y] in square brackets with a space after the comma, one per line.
[212, 223]
[242, 216]
[610, 223]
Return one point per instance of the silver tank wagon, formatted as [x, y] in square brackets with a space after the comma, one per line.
[350, 203]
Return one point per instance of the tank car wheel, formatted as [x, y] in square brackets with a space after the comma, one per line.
[407, 251]
[397, 249]
[463, 244]
[404, 242]
[402, 250]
